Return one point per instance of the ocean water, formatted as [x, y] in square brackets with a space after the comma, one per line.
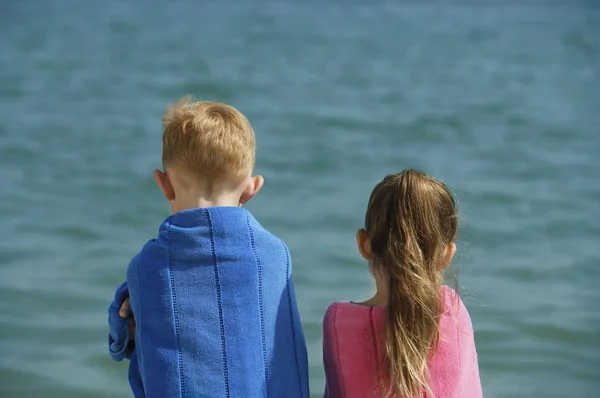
[501, 102]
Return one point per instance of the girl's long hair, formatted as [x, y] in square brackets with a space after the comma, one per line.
[410, 220]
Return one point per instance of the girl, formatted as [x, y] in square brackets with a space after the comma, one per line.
[414, 337]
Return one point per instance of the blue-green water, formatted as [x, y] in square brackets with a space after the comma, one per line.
[501, 102]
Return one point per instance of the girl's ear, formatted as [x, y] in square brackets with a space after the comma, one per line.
[449, 253]
[163, 182]
[364, 244]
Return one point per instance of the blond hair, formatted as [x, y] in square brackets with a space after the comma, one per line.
[411, 219]
[208, 141]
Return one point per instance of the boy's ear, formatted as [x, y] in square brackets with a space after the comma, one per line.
[254, 185]
[163, 182]
[364, 244]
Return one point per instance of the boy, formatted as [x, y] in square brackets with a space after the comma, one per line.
[212, 296]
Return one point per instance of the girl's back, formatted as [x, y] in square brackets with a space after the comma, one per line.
[354, 351]
[414, 337]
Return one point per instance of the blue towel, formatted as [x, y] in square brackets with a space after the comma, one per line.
[215, 311]
[119, 346]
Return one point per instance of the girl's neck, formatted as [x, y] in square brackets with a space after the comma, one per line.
[381, 295]
[375, 301]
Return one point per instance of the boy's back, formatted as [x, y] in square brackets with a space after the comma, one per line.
[215, 310]
[212, 297]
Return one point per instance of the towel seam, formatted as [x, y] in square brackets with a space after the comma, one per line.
[260, 307]
[374, 337]
[337, 349]
[219, 303]
[326, 363]
[175, 311]
[287, 278]
[138, 317]
[458, 344]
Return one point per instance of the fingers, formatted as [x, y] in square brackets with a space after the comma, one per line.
[125, 311]
[131, 329]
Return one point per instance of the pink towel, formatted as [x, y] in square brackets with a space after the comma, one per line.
[354, 349]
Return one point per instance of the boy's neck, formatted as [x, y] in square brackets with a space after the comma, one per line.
[188, 201]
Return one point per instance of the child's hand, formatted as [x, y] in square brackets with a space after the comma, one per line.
[125, 312]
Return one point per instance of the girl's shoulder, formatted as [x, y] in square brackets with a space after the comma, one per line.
[455, 313]
[348, 314]
[349, 307]
[345, 314]
[339, 307]
[451, 300]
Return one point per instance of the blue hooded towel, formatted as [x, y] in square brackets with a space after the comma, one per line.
[215, 311]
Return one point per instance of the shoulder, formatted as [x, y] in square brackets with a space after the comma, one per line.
[331, 312]
[257, 228]
[334, 308]
[451, 300]
[263, 237]
[265, 241]
[343, 313]
[152, 251]
[330, 320]
[455, 310]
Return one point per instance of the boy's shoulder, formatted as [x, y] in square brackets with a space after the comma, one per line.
[208, 232]
[262, 236]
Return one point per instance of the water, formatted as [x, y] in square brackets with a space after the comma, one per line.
[501, 102]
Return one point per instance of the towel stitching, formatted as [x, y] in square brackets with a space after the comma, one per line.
[220, 304]
[175, 311]
[138, 317]
[373, 335]
[458, 343]
[337, 349]
[260, 306]
[287, 278]
[326, 363]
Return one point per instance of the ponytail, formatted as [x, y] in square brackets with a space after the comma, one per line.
[409, 224]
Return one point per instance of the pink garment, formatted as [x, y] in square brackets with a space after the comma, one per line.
[354, 351]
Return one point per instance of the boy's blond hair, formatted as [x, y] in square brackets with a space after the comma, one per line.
[207, 141]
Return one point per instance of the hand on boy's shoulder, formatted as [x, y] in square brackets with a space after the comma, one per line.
[125, 312]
